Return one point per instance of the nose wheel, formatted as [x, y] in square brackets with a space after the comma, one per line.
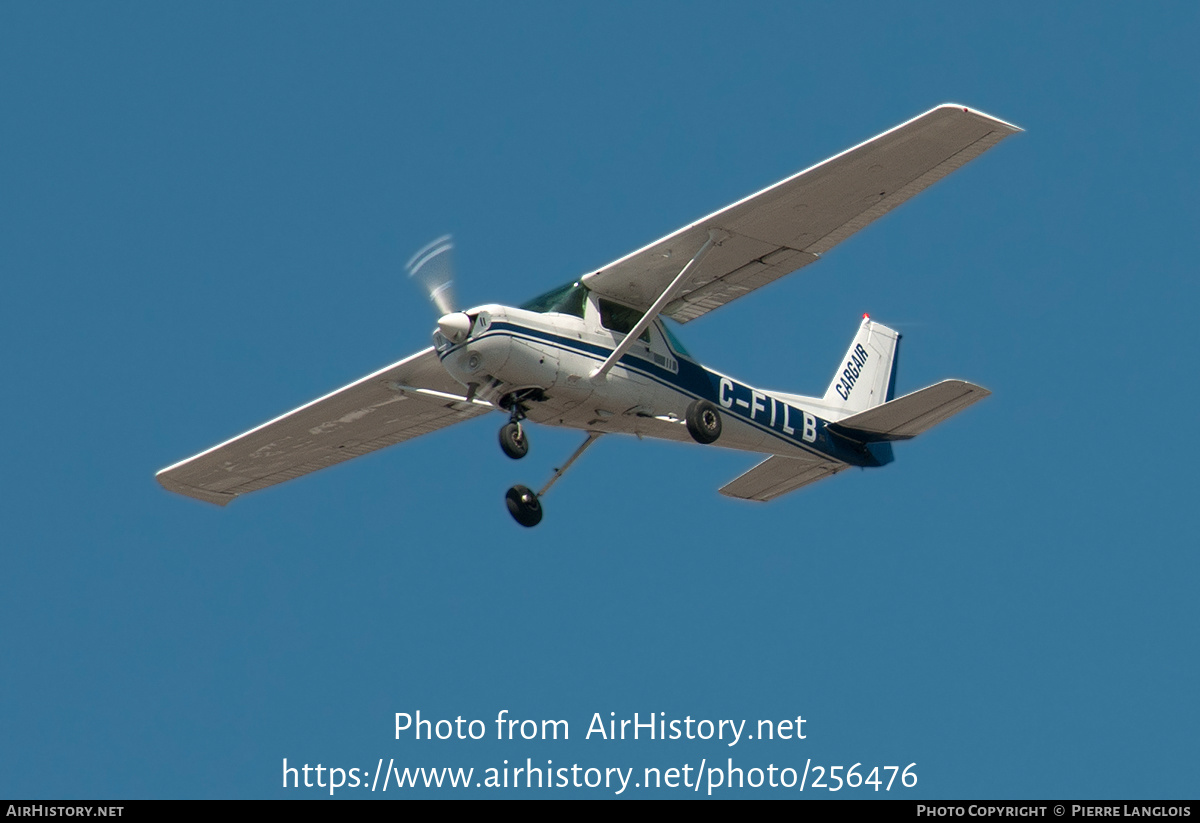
[525, 505]
[513, 441]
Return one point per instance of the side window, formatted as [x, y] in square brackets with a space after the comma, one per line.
[620, 318]
[674, 341]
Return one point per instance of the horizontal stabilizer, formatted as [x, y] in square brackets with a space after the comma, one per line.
[779, 475]
[910, 415]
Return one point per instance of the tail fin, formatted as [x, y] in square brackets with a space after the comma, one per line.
[867, 375]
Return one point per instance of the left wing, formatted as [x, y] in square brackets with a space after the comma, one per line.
[404, 400]
[792, 223]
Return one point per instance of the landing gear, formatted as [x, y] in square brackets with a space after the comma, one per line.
[703, 421]
[524, 505]
[513, 441]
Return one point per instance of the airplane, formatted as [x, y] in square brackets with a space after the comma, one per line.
[596, 355]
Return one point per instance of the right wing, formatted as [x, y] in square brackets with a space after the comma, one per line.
[795, 221]
[397, 403]
[777, 475]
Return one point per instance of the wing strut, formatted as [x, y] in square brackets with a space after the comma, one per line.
[715, 236]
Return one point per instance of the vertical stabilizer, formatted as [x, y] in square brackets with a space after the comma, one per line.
[866, 376]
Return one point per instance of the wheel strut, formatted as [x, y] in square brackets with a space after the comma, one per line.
[524, 505]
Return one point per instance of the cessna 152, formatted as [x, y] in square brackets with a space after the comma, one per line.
[595, 354]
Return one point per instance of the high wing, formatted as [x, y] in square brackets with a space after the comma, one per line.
[790, 224]
[397, 403]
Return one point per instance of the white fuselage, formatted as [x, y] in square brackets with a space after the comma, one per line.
[550, 358]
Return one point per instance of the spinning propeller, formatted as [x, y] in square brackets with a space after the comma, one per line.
[433, 269]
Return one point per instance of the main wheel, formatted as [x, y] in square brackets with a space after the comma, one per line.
[513, 440]
[703, 421]
[524, 506]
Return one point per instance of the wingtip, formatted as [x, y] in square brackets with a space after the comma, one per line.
[174, 486]
[982, 114]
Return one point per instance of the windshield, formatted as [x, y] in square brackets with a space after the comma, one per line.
[568, 299]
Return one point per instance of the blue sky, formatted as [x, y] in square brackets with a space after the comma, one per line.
[206, 212]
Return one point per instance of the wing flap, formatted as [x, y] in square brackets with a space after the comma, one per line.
[379, 410]
[777, 476]
[790, 224]
[718, 291]
[910, 415]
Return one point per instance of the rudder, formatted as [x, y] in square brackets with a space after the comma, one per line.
[867, 375]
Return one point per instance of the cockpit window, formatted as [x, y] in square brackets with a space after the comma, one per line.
[620, 318]
[568, 299]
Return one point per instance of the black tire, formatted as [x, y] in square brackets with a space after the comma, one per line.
[524, 506]
[703, 421]
[513, 441]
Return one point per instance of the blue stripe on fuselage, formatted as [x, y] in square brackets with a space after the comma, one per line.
[771, 415]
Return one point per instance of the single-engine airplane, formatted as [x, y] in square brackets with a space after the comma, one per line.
[595, 354]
